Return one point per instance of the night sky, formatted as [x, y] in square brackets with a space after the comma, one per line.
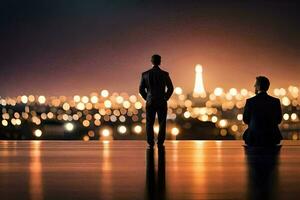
[80, 46]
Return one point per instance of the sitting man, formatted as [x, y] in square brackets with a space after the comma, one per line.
[262, 113]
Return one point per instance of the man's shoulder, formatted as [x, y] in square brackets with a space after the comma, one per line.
[251, 99]
[146, 72]
[273, 98]
[264, 98]
[150, 70]
[165, 72]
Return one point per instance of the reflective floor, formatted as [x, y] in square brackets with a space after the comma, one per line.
[127, 170]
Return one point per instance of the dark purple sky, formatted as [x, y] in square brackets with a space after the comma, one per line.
[77, 47]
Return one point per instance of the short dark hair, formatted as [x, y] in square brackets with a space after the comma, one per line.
[263, 83]
[156, 59]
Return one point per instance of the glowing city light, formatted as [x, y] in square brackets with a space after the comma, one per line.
[240, 117]
[38, 133]
[223, 132]
[85, 99]
[105, 132]
[137, 129]
[286, 101]
[107, 103]
[286, 116]
[86, 138]
[104, 93]
[4, 122]
[223, 123]
[86, 123]
[91, 133]
[122, 129]
[138, 105]
[233, 91]
[80, 106]
[244, 92]
[66, 106]
[234, 128]
[119, 99]
[199, 90]
[94, 99]
[294, 116]
[174, 131]
[76, 98]
[24, 99]
[214, 119]
[69, 126]
[42, 99]
[31, 98]
[187, 114]
[178, 90]
[218, 91]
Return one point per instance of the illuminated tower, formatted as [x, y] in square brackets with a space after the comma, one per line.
[199, 90]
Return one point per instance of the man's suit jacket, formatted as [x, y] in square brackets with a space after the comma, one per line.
[262, 113]
[153, 86]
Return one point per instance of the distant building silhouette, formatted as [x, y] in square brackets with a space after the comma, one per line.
[199, 90]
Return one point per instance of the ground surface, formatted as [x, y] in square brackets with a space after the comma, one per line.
[119, 170]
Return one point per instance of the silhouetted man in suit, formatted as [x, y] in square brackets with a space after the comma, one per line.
[262, 114]
[153, 89]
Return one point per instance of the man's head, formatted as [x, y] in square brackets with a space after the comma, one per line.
[156, 59]
[262, 84]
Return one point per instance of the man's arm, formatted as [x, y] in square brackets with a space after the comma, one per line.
[142, 88]
[278, 112]
[170, 87]
[246, 115]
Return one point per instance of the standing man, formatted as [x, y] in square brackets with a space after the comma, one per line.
[262, 114]
[153, 89]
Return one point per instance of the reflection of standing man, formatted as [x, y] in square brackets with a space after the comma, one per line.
[153, 90]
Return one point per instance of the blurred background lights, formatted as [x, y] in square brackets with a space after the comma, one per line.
[223, 123]
[24, 99]
[84, 99]
[104, 93]
[76, 98]
[174, 131]
[286, 116]
[233, 91]
[214, 119]
[94, 99]
[294, 116]
[107, 103]
[104, 109]
[42, 99]
[105, 132]
[4, 122]
[218, 91]
[86, 138]
[38, 133]
[80, 106]
[286, 101]
[69, 126]
[137, 129]
[122, 129]
[178, 90]
[239, 117]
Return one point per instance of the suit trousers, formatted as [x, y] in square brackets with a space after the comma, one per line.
[161, 109]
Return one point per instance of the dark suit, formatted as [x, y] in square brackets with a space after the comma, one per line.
[153, 90]
[262, 114]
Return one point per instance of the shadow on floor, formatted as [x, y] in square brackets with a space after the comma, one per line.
[262, 172]
[155, 182]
